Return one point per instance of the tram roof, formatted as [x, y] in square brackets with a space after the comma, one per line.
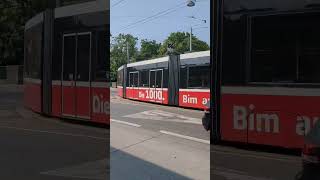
[195, 55]
[151, 61]
[72, 10]
[82, 8]
[165, 59]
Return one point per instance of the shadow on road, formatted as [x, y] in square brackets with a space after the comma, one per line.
[260, 148]
[125, 166]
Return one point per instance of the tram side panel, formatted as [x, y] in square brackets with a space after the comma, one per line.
[56, 98]
[57, 70]
[257, 119]
[32, 68]
[194, 83]
[100, 96]
[100, 81]
[80, 88]
[148, 83]
[32, 94]
[194, 98]
[120, 75]
[269, 106]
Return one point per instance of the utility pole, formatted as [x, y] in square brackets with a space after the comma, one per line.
[191, 39]
[128, 55]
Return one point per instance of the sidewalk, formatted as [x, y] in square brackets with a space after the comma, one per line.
[139, 154]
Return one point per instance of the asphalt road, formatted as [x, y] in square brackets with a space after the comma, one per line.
[38, 148]
[228, 162]
[151, 141]
[154, 117]
[237, 163]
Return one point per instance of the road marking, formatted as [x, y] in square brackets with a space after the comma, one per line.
[126, 123]
[230, 174]
[51, 132]
[159, 115]
[185, 137]
[258, 156]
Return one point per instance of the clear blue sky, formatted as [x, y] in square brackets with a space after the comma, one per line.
[130, 11]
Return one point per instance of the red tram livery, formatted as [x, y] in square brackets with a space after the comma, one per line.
[179, 80]
[266, 73]
[67, 62]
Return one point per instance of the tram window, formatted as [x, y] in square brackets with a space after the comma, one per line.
[34, 52]
[152, 79]
[69, 55]
[120, 78]
[57, 60]
[309, 63]
[136, 79]
[183, 77]
[165, 78]
[101, 63]
[199, 77]
[159, 76]
[144, 79]
[133, 79]
[274, 51]
[286, 49]
[84, 52]
[130, 79]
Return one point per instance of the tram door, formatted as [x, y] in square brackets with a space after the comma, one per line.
[156, 82]
[68, 73]
[133, 82]
[83, 66]
[76, 75]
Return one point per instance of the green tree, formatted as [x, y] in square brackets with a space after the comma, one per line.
[13, 16]
[181, 42]
[149, 49]
[118, 52]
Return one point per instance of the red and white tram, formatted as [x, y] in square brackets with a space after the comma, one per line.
[178, 80]
[266, 73]
[67, 62]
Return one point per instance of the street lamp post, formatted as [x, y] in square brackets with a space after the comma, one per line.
[191, 3]
[191, 39]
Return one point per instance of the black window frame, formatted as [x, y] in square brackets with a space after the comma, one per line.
[134, 72]
[248, 21]
[188, 76]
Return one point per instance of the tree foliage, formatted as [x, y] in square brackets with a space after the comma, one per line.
[149, 49]
[13, 16]
[181, 42]
[118, 52]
